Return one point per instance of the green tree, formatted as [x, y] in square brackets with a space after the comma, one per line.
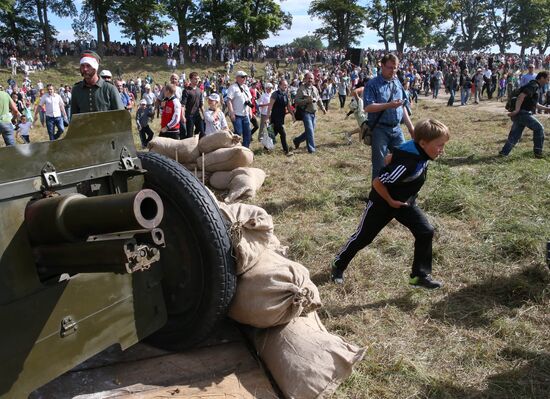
[188, 19]
[543, 39]
[256, 20]
[378, 18]
[62, 8]
[526, 18]
[217, 15]
[18, 21]
[6, 4]
[308, 42]
[342, 20]
[100, 12]
[140, 20]
[413, 21]
[498, 16]
[469, 18]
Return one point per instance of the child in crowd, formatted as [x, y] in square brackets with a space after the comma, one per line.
[394, 197]
[213, 117]
[23, 129]
[143, 115]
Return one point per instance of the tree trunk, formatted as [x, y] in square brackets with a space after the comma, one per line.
[100, 47]
[522, 52]
[105, 29]
[46, 28]
[139, 50]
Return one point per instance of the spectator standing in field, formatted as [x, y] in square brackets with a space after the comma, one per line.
[465, 87]
[23, 129]
[524, 116]
[393, 196]
[7, 110]
[171, 114]
[478, 83]
[529, 76]
[124, 97]
[93, 94]
[213, 117]
[343, 88]
[143, 115]
[192, 107]
[239, 105]
[279, 105]
[263, 106]
[55, 112]
[308, 97]
[385, 101]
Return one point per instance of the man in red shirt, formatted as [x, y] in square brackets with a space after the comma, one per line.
[171, 114]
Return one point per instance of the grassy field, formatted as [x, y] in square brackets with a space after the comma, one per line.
[486, 334]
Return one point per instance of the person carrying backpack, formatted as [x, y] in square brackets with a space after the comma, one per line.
[522, 114]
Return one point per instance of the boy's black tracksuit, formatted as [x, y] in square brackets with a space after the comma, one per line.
[403, 177]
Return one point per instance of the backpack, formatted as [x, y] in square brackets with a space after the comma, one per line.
[511, 102]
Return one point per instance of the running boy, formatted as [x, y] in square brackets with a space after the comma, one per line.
[23, 129]
[394, 196]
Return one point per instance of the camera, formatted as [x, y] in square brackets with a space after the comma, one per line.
[247, 103]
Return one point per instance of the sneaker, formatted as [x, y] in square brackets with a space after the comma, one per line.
[501, 154]
[425, 282]
[289, 153]
[336, 275]
[539, 155]
[296, 144]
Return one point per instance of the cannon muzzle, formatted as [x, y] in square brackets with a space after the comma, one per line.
[75, 217]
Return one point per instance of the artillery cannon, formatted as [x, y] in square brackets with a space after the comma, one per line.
[102, 246]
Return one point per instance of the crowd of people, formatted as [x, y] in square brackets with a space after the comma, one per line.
[382, 89]
[322, 77]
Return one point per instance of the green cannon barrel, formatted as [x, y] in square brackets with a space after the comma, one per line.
[75, 217]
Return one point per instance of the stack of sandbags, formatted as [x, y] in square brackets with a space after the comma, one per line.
[241, 183]
[306, 361]
[184, 151]
[277, 297]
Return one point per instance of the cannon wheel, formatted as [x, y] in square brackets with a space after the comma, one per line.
[198, 269]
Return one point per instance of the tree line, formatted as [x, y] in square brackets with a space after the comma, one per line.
[465, 25]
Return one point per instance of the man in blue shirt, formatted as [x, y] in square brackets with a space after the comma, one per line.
[385, 102]
[529, 76]
[124, 97]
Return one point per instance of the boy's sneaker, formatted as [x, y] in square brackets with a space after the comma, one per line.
[425, 282]
[336, 275]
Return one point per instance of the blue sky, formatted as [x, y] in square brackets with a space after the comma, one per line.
[302, 24]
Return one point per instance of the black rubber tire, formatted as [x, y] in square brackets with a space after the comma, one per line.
[198, 270]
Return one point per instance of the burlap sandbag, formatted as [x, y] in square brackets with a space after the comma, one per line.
[251, 231]
[306, 361]
[226, 159]
[187, 149]
[273, 292]
[220, 180]
[221, 139]
[244, 184]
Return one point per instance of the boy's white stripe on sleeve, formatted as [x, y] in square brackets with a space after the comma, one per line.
[390, 178]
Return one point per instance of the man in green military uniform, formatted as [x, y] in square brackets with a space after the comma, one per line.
[93, 94]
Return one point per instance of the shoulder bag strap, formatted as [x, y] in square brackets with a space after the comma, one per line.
[382, 112]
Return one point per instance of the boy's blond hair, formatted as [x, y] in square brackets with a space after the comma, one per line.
[430, 129]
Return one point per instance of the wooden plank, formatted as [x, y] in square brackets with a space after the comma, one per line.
[224, 369]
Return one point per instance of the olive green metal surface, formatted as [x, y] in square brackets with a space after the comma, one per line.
[49, 326]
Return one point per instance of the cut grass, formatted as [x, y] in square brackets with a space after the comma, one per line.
[486, 334]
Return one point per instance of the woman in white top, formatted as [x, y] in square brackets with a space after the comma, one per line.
[214, 118]
[263, 105]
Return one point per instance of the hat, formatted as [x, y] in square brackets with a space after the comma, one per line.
[105, 74]
[241, 74]
[147, 86]
[91, 58]
[269, 85]
[214, 97]
[143, 102]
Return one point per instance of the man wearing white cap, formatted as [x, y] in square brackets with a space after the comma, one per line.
[106, 75]
[93, 94]
[239, 105]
